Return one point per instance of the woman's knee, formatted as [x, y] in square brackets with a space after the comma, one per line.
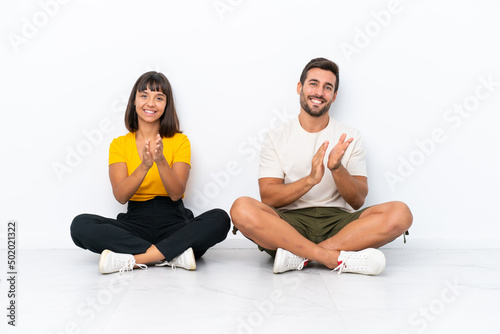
[220, 215]
[223, 219]
[81, 226]
[217, 219]
[79, 229]
[78, 224]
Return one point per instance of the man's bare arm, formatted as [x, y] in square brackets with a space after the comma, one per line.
[274, 192]
[353, 189]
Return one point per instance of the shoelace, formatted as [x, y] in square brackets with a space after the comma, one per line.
[128, 265]
[174, 268]
[340, 267]
[167, 263]
[125, 265]
[354, 262]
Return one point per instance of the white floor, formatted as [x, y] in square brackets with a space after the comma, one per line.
[235, 291]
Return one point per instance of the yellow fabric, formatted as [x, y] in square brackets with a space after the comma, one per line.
[124, 149]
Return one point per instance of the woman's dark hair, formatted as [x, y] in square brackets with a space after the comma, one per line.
[323, 64]
[156, 82]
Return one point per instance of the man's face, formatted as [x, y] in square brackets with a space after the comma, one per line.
[316, 95]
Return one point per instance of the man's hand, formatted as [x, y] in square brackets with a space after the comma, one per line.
[317, 166]
[338, 151]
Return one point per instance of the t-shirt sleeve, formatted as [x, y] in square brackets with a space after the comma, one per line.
[270, 165]
[183, 151]
[356, 165]
[117, 151]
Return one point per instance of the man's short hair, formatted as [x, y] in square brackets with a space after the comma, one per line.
[323, 64]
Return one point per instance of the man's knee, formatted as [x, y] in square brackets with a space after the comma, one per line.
[401, 217]
[240, 208]
[243, 211]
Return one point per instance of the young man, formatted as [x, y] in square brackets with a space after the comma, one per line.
[312, 175]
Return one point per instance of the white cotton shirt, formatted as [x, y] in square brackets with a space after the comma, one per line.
[287, 154]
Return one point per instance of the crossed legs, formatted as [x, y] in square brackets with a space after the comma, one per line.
[98, 233]
[376, 226]
[152, 255]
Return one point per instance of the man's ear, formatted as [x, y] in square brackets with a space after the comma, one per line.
[334, 96]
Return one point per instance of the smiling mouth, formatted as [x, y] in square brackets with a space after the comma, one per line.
[150, 112]
[316, 101]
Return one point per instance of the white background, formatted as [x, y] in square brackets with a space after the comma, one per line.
[67, 68]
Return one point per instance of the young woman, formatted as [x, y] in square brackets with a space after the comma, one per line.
[149, 168]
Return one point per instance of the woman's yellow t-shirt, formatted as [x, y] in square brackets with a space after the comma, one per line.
[124, 149]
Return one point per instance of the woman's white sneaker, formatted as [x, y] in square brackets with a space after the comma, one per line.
[111, 262]
[368, 261]
[185, 260]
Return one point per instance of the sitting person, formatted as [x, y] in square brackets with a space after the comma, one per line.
[149, 168]
[309, 189]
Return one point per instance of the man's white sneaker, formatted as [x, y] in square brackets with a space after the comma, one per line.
[185, 260]
[368, 261]
[111, 262]
[285, 261]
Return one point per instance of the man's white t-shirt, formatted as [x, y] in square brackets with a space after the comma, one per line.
[287, 153]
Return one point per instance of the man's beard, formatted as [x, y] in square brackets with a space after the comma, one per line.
[305, 106]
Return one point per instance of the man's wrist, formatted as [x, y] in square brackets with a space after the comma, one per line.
[336, 167]
[310, 181]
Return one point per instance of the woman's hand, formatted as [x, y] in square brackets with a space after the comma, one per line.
[147, 157]
[158, 151]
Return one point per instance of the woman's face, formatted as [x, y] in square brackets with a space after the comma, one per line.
[150, 105]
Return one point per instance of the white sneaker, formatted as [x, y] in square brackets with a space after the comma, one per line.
[368, 261]
[185, 260]
[111, 262]
[285, 261]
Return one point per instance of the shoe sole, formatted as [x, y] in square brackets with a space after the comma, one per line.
[102, 260]
[278, 257]
[192, 261]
